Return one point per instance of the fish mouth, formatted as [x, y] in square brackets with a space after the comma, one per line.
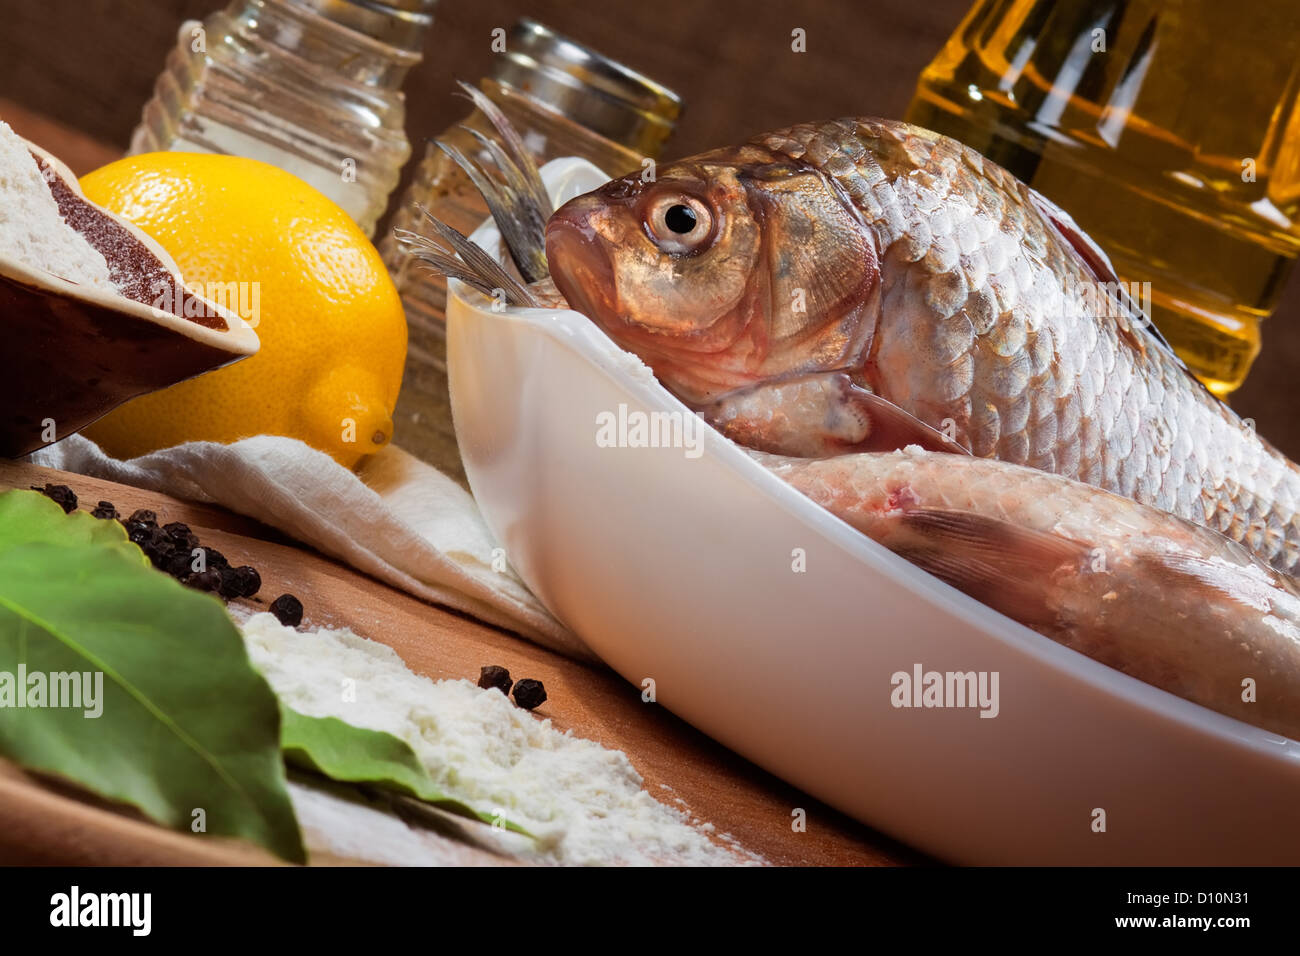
[579, 259]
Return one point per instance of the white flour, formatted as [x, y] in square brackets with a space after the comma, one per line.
[586, 804]
[31, 228]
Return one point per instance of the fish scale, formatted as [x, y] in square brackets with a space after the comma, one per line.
[925, 193]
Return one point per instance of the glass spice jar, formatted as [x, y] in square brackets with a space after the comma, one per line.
[565, 100]
[310, 86]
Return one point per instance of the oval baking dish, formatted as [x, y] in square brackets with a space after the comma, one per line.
[774, 627]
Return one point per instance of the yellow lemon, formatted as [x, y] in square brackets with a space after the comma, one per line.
[296, 266]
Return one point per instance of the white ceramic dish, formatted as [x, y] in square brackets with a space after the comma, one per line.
[679, 570]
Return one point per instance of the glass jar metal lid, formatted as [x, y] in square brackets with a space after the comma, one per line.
[587, 87]
[397, 23]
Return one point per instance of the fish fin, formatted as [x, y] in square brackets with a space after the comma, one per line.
[470, 263]
[1003, 565]
[843, 418]
[893, 427]
[519, 204]
[522, 223]
[520, 240]
[1093, 255]
[513, 147]
[1231, 575]
[1099, 264]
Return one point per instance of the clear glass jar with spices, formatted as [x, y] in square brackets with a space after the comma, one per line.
[565, 100]
[310, 86]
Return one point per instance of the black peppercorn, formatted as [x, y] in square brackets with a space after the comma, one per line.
[209, 580]
[160, 558]
[61, 495]
[250, 580]
[143, 516]
[177, 564]
[106, 511]
[529, 693]
[287, 610]
[494, 676]
[157, 541]
[181, 535]
[243, 581]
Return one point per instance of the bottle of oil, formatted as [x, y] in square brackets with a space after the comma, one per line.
[565, 100]
[311, 86]
[1169, 129]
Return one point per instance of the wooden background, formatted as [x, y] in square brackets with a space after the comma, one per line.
[90, 65]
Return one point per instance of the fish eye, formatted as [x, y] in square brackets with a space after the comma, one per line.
[679, 224]
[680, 219]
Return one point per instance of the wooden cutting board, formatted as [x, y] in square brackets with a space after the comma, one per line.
[40, 823]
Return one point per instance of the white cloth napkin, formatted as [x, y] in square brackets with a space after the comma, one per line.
[397, 519]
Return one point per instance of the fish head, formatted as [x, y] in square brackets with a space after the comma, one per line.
[722, 271]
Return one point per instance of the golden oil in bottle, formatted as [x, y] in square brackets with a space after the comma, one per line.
[1167, 128]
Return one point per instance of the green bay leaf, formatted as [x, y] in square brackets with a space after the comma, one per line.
[187, 723]
[28, 516]
[350, 754]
